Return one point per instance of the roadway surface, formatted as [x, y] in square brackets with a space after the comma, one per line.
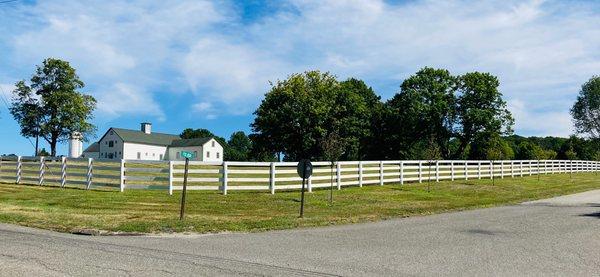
[555, 237]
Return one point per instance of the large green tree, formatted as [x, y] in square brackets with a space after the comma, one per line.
[481, 112]
[353, 118]
[295, 115]
[422, 113]
[52, 106]
[239, 147]
[586, 110]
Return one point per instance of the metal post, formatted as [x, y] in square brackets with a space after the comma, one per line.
[185, 177]
[224, 178]
[302, 195]
[63, 172]
[272, 178]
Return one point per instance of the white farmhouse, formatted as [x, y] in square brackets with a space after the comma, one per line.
[128, 144]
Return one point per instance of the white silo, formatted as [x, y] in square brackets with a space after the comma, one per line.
[75, 145]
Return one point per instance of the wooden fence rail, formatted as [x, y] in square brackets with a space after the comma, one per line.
[268, 176]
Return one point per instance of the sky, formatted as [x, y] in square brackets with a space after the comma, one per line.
[207, 64]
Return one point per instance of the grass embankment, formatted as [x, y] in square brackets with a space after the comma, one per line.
[207, 211]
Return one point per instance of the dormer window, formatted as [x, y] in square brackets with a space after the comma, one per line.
[213, 143]
[111, 143]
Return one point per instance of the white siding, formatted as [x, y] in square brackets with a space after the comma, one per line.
[212, 151]
[147, 152]
[116, 150]
[174, 150]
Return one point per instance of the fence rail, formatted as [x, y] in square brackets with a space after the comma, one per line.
[264, 176]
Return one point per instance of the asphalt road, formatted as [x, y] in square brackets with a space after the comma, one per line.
[556, 237]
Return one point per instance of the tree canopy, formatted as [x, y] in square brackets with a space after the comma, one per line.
[586, 110]
[51, 105]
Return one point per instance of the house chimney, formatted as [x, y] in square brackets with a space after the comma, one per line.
[147, 127]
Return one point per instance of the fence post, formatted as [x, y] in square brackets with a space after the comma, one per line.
[491, 170]
[401, 172]
[41, 178]
[272, 178]
[381, 173]
[437, 171]
[466, 170]
[170, 176]
[63, 172]
[309, 184]
[224, 188]
[122, 179]
[530, 167]
[452, 170]
[360, 174]
[338, 175]
[501, 169]
[420, 171]
[478, 170]
[521, 168]
[19, 167]
[89, 174]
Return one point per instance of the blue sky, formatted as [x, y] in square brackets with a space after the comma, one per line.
[207, 64]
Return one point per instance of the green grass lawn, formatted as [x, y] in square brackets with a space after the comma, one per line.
[208, 211]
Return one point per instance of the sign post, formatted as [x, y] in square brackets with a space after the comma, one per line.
[304, 170]
[187, 155]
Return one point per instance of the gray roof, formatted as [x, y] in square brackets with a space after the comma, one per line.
[141, 137]
[94, 147]
[190, 142]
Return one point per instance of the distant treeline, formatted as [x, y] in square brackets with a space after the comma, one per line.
[435, 115]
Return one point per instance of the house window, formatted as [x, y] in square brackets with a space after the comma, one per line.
[153, 154]
[161, 156]
[207, 154]
[196, 154]
[146, 154]
[139, 155]
[218, 155]
[177, 154]
[111, 144]
[110, 155]
[111, 133]
[213, 144]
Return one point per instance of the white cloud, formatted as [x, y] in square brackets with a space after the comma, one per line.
[123, 99]
[548, 123]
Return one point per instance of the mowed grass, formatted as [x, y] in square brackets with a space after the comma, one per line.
[208, 211]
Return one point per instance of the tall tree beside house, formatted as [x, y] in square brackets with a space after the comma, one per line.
[481, 112]
[52, 106]
[239, 147]
[190, 133]
[586, 110]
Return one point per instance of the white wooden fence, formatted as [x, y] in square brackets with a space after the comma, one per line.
[267, 176]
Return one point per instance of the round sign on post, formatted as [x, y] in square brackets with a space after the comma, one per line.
[304, 169]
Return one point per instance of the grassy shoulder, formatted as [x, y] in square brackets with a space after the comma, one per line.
[155, 211]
